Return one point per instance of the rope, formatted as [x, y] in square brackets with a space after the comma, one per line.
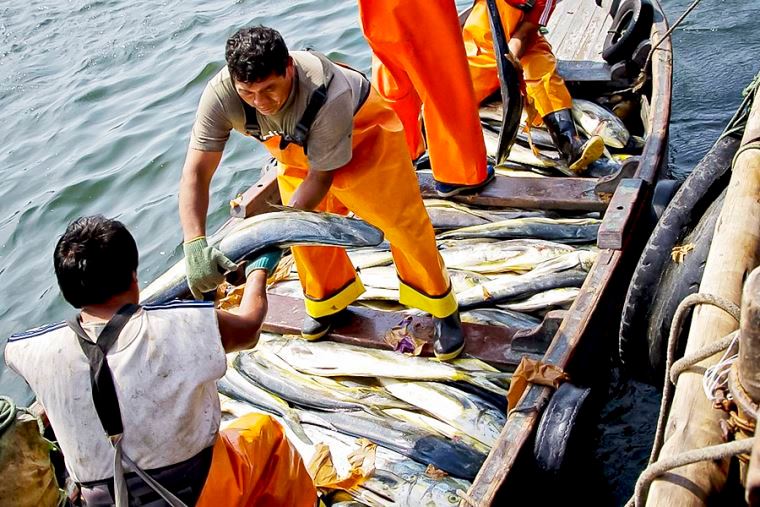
[715, 452]
[7, 413]
[738, 121]
[675, 331]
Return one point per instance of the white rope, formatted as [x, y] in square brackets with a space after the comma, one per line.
[716, 376]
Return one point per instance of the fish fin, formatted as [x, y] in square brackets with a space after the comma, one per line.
[294, 423]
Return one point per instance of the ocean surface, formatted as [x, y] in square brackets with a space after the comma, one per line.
[96, 103]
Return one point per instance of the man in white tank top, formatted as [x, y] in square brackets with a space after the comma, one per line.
[164, 364]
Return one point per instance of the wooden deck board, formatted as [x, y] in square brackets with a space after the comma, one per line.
[561, 193]
[367, 328]
[577, 29]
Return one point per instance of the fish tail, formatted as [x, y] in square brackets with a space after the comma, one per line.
[294, 423]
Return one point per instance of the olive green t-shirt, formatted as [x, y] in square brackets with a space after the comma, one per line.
[329, 139]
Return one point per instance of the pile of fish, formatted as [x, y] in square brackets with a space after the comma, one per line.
[535, 151]
[507, 267]
[432, 435]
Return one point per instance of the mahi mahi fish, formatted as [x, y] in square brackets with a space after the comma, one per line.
[594, 119]
[514, 255]
[500, 317]
[519, 287]
[452, 406]
[275, 375]
[237, 387]
[280, 228]
[331, 359]
[565, 230]
[425, 446]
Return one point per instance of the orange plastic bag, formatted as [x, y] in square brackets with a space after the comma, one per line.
[254, 464]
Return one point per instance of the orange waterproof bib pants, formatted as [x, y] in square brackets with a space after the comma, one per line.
[254, 464]
[544, 85]
[380, 186]
[420, 59]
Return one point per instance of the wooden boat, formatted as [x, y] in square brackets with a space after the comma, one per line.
[566, 339]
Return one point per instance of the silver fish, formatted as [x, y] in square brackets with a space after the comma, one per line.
[594, 119]
[275, 375]
[331, 359]
[500, 317]
[549, 299]
[519, 287]
[565, 230]
[451, 406]
[280, 228]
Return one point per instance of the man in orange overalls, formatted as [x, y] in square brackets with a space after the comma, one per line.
[419, 59]
[339, 147]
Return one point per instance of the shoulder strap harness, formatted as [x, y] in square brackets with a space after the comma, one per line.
[107, 403]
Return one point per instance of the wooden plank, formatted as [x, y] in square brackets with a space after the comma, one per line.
[259, 197]
[367, 328]
[692, 422]
[522, 421]
[620, 214]
[567, 48]
[561, 193]
[584, 71]
[588, 47]
[561, 21]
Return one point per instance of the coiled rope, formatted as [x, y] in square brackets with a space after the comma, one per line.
[672, 371]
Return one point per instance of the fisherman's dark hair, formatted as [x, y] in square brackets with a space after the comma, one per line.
[94, 260]
[255, 53]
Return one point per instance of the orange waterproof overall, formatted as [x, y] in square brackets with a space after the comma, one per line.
[544, 85]
[419, 59]
[380, 186]
[254, 464]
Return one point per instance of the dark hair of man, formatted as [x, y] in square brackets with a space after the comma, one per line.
[94, 260]
[255, 53]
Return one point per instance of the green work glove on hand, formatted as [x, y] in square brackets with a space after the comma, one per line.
[267, 260]
[202, 266]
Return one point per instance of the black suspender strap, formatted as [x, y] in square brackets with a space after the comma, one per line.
[103, 390]
[299, 137]
[107, 402]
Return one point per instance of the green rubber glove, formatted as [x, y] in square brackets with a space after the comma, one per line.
[204, 266]
[266, 260]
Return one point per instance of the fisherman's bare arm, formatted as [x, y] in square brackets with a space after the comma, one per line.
[240, 329]
[310, 193]
[521, 37]
[194, 186]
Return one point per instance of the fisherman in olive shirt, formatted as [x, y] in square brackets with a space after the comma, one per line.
[339, 147]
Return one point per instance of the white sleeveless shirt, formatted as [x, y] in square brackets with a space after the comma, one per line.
[165, 364]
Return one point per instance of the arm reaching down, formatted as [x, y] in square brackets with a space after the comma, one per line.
[204, 264]
[310, 193]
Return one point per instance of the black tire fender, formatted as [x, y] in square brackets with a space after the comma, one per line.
[663, 192]
[679, 279]
[558, 427]
[705, 182]
[631, 25]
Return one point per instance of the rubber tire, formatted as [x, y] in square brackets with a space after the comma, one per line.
[559, 428]
[663, 193]
[679, 281]
[704, 183]
[631, 25]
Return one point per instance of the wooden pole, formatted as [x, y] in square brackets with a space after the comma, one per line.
[749, 344]
[693, 423]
